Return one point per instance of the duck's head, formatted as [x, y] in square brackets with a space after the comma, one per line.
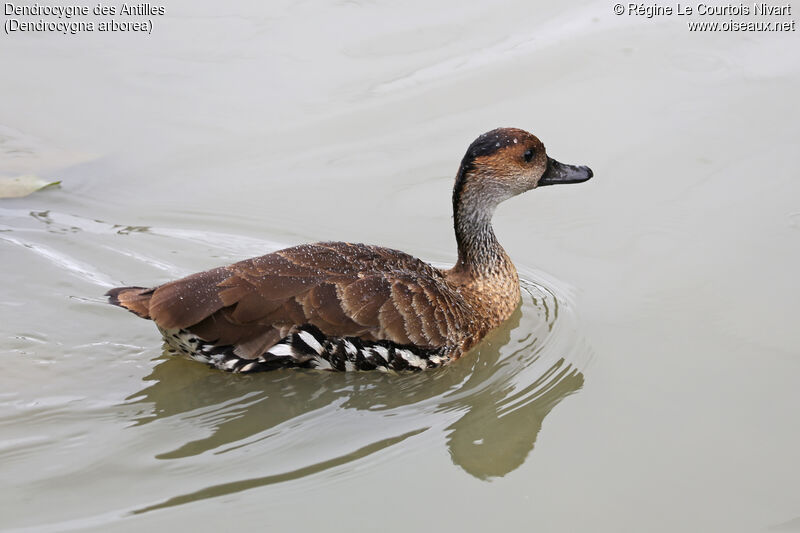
[498, 165]
[506, 162]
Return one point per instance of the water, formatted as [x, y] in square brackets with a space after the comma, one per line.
[648, 381]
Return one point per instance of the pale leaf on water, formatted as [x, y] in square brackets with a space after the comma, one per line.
[20, 186]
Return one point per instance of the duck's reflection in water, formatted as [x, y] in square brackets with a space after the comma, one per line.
[490, 405]
[495, 436]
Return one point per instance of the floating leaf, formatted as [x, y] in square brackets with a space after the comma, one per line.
[23, 186]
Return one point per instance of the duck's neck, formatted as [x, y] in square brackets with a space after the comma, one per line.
[484, 273]
[479, 253]
[480, 256]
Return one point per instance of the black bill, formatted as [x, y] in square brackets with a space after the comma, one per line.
[560, 173]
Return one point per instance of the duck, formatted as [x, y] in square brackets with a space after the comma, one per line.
[342, 306]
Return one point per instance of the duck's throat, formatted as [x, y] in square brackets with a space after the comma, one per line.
[479, 253]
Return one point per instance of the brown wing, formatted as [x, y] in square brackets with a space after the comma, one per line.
[343, 289]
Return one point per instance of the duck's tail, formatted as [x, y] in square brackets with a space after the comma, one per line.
[134, 299]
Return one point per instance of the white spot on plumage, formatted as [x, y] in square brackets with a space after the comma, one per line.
[350, 348]
[312, 342]
[322, 364]
[381, 351]
[349, 366]
[230, 365]
[248, 367]
[281, 350]
[413, 360]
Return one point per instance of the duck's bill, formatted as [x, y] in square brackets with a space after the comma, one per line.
[558, 173]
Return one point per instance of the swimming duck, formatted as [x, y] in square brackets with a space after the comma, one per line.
[345, 306]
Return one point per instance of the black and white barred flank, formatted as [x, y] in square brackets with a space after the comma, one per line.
[308, 347]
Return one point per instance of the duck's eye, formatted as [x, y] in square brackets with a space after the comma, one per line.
[528, 156]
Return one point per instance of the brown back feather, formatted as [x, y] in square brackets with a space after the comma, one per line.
[343, 289]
